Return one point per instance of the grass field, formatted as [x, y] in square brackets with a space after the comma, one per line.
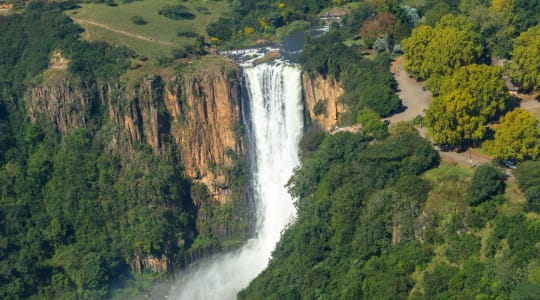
[445, 170]
[156, 38]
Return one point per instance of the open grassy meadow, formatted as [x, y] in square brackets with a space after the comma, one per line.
[158, 36]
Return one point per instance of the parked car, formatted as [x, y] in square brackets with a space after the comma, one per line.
[508, 164]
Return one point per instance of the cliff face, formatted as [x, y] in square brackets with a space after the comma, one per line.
[204, 113]
[192, 116]
[136, 115]
[60, 102]
[321, 100]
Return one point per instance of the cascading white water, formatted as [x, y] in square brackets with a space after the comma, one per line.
[277, 122]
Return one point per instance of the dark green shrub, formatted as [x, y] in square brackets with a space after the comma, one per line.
[320, 107]
[178, 53]
[138, 20]
[526, 291]
[533, 199]
[222, 29]
[486, 183]
[462, 247]
[187, 33]
[311, 140]
[164, 61]
[176, 12]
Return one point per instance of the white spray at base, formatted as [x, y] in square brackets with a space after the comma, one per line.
[274, 91]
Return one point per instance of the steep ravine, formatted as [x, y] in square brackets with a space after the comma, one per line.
[197, 111]
[194, 116]
[191, 117]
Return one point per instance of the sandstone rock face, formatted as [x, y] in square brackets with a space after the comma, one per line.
[326, 92]
[192, 115]
[63, 104]
[204, 112]
[137, 115]
[152, 263]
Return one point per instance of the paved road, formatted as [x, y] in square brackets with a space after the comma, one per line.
[413, 96]
[529, 104]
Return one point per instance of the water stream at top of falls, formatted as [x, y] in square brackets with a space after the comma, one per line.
[276, 125]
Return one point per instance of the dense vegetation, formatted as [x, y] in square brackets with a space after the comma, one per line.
[469, 99]
[369, 227]
[77, 218]
[370, 224]
[254, 16]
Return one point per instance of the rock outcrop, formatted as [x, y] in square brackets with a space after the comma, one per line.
[151, 263]
[61, 103]
[205, 111]
[321, 99]
[192, 115]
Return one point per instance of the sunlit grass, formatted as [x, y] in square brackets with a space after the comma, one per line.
[161, 30]
[445, 170]
[450, 183]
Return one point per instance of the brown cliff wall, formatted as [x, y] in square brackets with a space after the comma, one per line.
[326, 91]
[204, 108]
[192, 114]
[61, 103]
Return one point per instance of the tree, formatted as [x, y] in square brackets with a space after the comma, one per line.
[525, 66]
[525, 291]
[222, 29]
[517, 137]
[469, 99]
[414, 49]
[436, 12]
[380, 26]
[449, 50]
[502, 7]
[436, 52]
[371, 123]
[486, 183]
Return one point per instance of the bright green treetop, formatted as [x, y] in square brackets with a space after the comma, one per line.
[436, 52]
[525, 66]
[371, 123]
[517, 137]
[414, 49]
[469, 99]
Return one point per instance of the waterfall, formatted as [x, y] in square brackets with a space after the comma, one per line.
[275, 104]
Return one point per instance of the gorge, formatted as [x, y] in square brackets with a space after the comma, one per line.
[275, 126]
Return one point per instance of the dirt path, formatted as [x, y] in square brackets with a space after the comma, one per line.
[529, 104]
[411, 93]
[126, 33]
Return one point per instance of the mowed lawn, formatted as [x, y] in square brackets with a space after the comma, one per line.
[156, 38]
